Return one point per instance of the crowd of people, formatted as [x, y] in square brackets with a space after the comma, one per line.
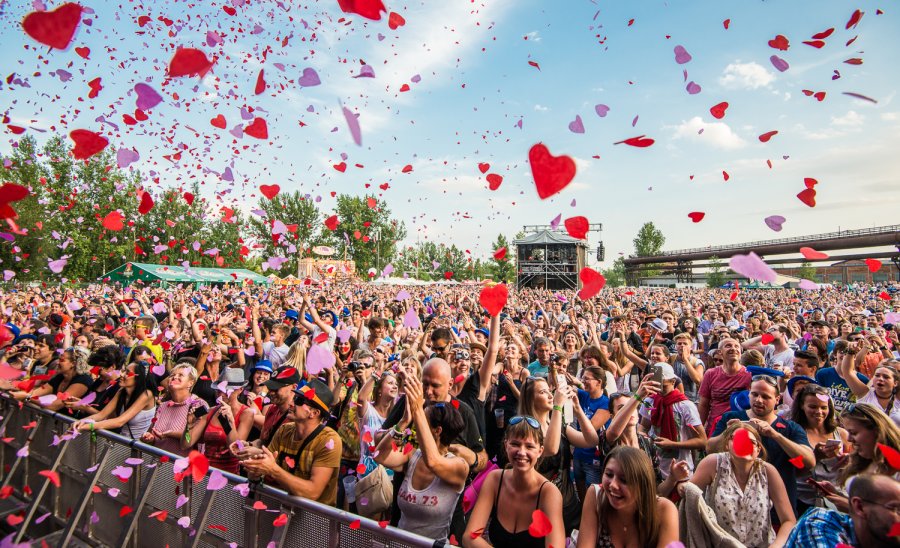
[639, 417]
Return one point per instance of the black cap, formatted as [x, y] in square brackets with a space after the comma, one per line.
[283, 376]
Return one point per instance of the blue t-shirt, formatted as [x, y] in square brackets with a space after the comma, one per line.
[535, 369]
[589, 406]
[776, 455]
[840, 391]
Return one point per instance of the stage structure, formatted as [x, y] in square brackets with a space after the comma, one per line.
[549, 258]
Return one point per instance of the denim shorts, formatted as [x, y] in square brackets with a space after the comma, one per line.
[587, 471]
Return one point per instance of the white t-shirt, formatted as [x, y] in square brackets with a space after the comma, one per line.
[893, 412]
[275, 354]
[686, 416]
[785, 358]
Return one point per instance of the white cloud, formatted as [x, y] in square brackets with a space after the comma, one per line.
[851, 119]
[890, 116]
[746, 75]
[541, 108]
[715, 134]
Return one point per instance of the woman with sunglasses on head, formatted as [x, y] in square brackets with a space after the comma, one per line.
[539, 402]
[742, 488]
[131, 410]
[434, 477]
[624, 509]
[522, 490]
[814, 411]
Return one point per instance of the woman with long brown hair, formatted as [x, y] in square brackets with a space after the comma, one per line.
[624, 509]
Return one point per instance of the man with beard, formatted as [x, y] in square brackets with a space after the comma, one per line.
[784, 440]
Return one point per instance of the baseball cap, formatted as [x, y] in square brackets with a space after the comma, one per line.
[317, 394]
[483, 331]
[263, 365]
[292, 314]
[791, 383]
[283, 376]
[668, 373]
[659, 324]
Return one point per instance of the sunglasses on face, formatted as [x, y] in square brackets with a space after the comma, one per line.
[531, 421]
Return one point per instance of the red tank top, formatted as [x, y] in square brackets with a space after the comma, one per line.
[216, 441]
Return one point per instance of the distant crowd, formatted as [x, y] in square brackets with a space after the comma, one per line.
[639, 417]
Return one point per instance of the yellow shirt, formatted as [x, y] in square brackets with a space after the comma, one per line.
[323, 451]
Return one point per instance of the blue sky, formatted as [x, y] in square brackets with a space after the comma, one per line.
[474, 87]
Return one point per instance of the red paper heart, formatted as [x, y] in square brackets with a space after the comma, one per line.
[395, 20]
[370, 9]
[797, 462]
[640, 141]
[718, 111]
[823, 35]
[53, 28]
[818, 44]
[766, 338]
[780, 42]
[280, 520]
[891, 456]
[146, 203]
[500, 254]
[322, 337]
[50, 475]
[342, 167]
[188, 197]
[125, 511]
[808, 197]
[114, 221]
[819, 95]
[83, 52]
[270, 191]
[198, 464]
[354, 524]
[733, 296]
[884, 295]
[219, 122]
[257, 129]
[14, 519]
[810, 182]
[551, 173]
[726, 176]
[87, 143]
[331, 222]
[407, 168]
[577, 227]
[873, 264]
[493, 298]
[448, 275]
[484, 167]
[696, 216]
[591, 283]
[764, 138]
[494, 181]
[741, 443]
[189, 62]
[811, 254]
[260, 83]
[540, 524]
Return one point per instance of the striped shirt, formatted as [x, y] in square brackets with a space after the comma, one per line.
[172, 415]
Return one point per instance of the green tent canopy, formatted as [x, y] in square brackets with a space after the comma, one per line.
[166, 274]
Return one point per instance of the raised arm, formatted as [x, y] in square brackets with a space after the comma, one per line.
[485, 372]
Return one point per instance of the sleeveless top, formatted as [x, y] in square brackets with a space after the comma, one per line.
[744, 514]
[139, 424]
[216, 443]
[825, 470]
[427, 511]
[498, 534]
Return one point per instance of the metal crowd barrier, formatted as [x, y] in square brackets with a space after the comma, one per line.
[93, 507]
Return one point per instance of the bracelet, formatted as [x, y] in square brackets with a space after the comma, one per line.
[637, 397]
[558, 408]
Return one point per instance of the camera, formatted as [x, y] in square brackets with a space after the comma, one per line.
[355, 366]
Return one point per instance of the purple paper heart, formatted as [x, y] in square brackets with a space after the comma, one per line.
[122, 472]
[416, 79]
[779, 63]
[318, 359]
[601, 110]
[126, 157]
[555, 222]
[353, 124]
[774, 222]
[182, 500]
[216, 481]
[402, 295]
[411, 319]
[237, 131]
[681, 55]
[577, 126]
[184, 521]
[366, 72]
[693, 88]
[158, 370]
[147, 97]
[309, 78]
[753, 267]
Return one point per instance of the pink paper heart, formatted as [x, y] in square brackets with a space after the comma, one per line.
[779, 63]
[147, 97]
[309, 78]
[184, 521]
[318, 359]
[158, 370]
[693, 88]
[774, 222]
[216, 481]
[182, 500]
[122, 472]
[823, 397]
[576, 126]
[753, 267]
[681, 55]
[601, 110]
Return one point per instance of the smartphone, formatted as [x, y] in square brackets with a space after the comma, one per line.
[568, 411]
[833, 443]
[658, 374]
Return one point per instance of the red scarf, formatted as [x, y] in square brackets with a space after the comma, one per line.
[662, 416]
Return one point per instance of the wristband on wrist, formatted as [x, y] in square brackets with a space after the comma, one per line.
[558, 408]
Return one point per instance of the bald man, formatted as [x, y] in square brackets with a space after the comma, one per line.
[436, 382]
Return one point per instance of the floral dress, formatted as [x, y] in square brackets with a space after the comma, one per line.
[743, 513]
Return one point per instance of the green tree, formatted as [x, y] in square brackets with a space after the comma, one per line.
[649, 241]
[615, 275]
[808, 272]
[716, 275]
[303, 220]
[503, 269]
[367, 233]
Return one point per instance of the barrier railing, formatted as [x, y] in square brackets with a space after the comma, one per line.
[142, 505]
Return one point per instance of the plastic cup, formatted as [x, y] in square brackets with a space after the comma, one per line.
[350, 488]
